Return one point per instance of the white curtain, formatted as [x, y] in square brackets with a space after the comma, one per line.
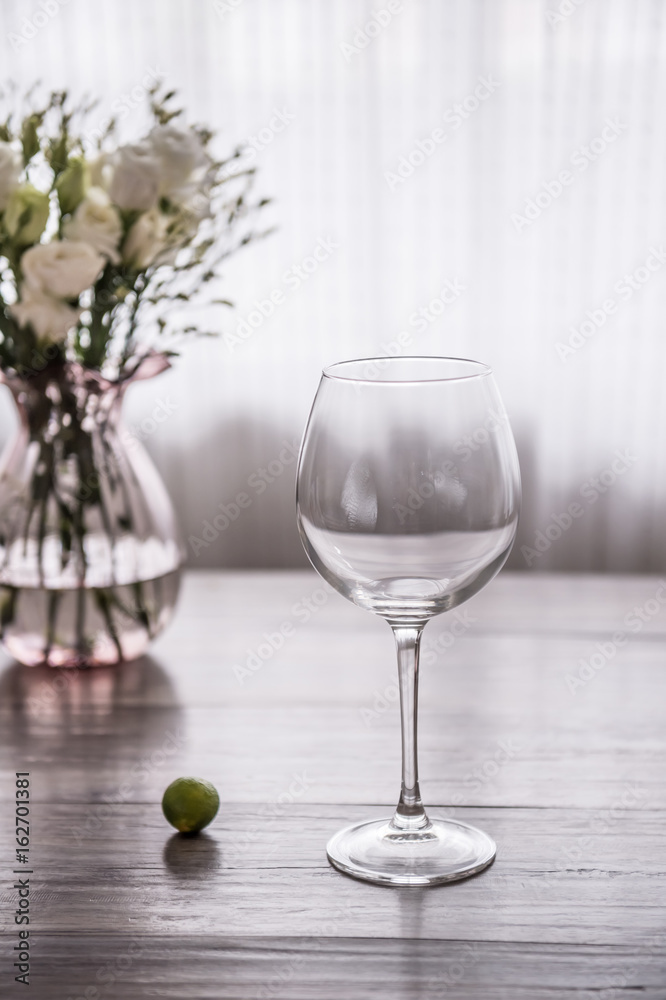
[407, 140]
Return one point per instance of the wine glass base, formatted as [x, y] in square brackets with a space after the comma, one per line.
[443, 851]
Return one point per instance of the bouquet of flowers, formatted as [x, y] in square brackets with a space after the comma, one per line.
[103, 255]
[95, 250]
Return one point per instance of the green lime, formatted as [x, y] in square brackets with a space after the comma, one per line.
[190, 804]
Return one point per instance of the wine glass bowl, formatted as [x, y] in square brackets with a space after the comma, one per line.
[408, 495]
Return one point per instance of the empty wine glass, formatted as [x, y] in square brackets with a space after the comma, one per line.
[408, 495]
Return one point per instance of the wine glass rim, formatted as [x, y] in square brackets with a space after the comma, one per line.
[482, 371]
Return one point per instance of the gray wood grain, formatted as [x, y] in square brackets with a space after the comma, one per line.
[568, 778]
[561, 876]
[225, 967]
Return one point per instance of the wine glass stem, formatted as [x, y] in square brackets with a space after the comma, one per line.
[410, 814]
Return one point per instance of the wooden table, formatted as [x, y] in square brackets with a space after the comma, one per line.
[535, 724]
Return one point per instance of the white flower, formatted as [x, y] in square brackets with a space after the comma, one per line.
[182, 158]
[50, 318]
[62, 268]
[97, 223]
[146, 239]
[101, 171]
[10, 169]
[135, 181]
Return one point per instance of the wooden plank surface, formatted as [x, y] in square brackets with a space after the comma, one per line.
[536, 725]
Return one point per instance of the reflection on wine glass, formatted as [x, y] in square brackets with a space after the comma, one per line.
[408, 495]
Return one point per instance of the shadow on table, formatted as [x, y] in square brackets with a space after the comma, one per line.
[191, 857]
[427, 971]
[411, 903]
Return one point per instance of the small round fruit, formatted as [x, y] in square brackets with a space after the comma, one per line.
[190, 804]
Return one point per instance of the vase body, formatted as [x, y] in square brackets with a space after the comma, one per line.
[90, 552]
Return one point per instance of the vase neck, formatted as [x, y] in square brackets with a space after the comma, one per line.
[50, 404]
[73, 393]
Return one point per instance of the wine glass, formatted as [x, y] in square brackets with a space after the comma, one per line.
[408, 493]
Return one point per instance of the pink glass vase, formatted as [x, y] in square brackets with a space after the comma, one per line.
[90, 552]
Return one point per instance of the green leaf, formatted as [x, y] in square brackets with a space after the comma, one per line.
[57, 153]
[26, 214]
[30, 137]
[72, 184]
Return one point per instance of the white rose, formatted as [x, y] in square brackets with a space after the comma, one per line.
[97, 223]
[50, 318]
[10, 169]
[135, 181]
[182, 158]
[62, 268]
[146, 239]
